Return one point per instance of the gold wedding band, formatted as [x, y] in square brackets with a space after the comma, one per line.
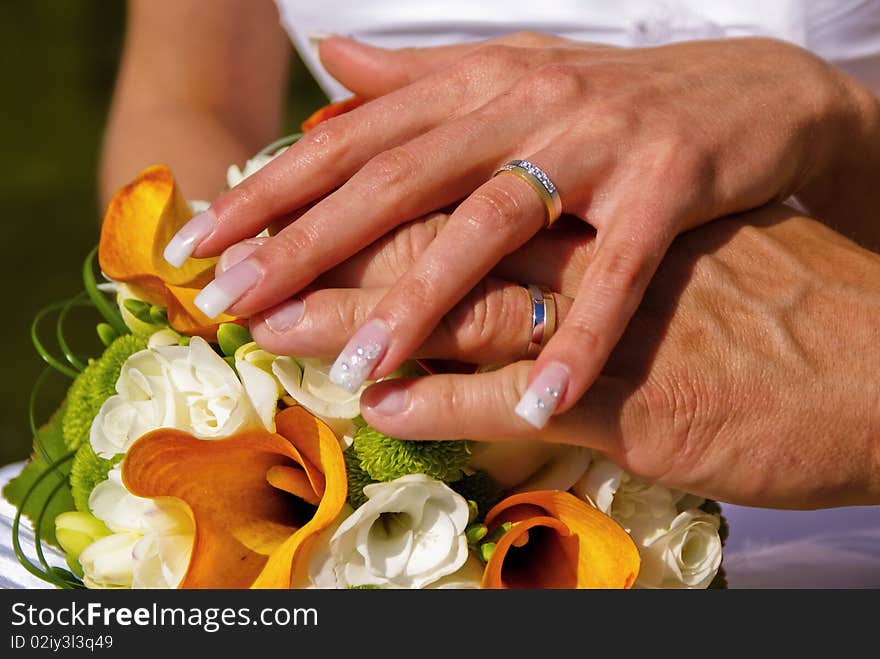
[543, 318]
[538, 179]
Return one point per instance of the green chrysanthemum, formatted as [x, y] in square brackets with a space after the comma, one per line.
[481, 489]
[358, 479]
[88, 470]
[384, 458]
[93, 386]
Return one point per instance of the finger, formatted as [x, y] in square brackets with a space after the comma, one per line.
[328, 155]
[429, 172]
[371, 71]
[491, 325]
[555, 259]
[624, 261]
[478, 407]
[498, 217]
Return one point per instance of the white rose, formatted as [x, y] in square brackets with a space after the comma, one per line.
[254, 366]
[688, 555]
[190, 388]
[409, 534]
[151, 542]
[307, 382]
[145, 401]
[215, 402]
[640, 507]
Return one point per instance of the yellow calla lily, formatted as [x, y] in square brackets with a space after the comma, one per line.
[141, 219]
[252, 496]
[558, 541]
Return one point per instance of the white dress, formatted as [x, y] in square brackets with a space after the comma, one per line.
[767, 548]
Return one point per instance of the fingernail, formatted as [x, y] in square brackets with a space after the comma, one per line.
[226, 289]
[360, 356]
[285, 316]
[542, 397]
[190, 236]
[239, 252]
[392, 403]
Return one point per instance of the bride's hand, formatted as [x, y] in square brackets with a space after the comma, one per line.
[641, 144]
[748, 374]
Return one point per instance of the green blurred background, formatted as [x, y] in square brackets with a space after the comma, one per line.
[58, 68]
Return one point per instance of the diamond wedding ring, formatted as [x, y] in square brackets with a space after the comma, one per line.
[535, 176]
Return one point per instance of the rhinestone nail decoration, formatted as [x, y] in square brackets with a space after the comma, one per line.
[353, 367]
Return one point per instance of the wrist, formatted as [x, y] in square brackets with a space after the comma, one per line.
[841, 169]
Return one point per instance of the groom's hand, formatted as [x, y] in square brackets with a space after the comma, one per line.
[749, 373]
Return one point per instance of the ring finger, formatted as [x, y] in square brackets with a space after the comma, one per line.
[496, 219]
[491, 325]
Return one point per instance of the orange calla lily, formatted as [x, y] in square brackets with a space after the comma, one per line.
[252, 496]
[141, 219]
[331, 110]
[558, 541]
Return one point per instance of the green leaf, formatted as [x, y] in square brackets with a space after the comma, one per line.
[139, 309]
[231, 337]
[52, 441]
[106, 333]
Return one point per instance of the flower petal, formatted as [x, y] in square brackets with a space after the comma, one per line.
[247, 532]
[141, 219]
[563, 542]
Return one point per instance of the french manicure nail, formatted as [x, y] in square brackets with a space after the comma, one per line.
[392, 403]
[190, 235]
[285, 316]
[226, 289]
[542, 397]
[360, 356]
[239, 252]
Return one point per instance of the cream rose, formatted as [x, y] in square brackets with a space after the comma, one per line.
[688, 555]
[151, 541]
[307, 382]
[640, 507]
[409, 534]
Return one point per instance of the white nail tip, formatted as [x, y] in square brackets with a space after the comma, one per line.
[185, 241]
[534, 409]
[213, 300]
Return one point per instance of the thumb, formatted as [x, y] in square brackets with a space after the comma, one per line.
[370, 71]
[481, 407]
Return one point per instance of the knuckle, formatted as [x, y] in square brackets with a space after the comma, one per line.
[327, 135]
[493, 208]
[390, 169]
[582, 336]
[552, 83]
[624, 272]
[474, 323]
[529, 38]
[294, 244]
[407, 244]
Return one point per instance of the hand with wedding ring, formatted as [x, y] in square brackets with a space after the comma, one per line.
[642, 144]
[732, 381]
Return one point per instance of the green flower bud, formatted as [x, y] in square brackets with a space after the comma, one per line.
[106, 333]
[158, 315]
[486, 551]
[473, 510]
[76, 530]
[231, 337]
[139, 309]
[475, 532]
[499, 531]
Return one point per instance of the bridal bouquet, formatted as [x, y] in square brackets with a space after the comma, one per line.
[185, 456]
